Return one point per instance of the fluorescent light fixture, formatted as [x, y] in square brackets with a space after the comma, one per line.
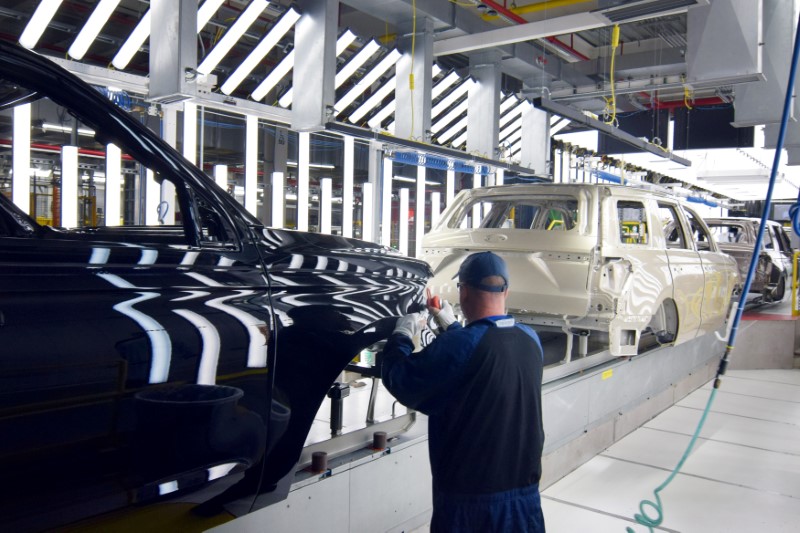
[134, 43]
[369, 78]
[508, 103]
[366, 211]
[380, 116]
[355, 62]
[261, 50]
[311, 165]
[92, 28]
[152, 199]
[21, 158]
[451, 98]
[402, 241]
[221, 176]
[511, 128]
[277, 199]
[276, 75]
[460, 140]
[345, 40]
[234, 33]
[561, 124]
[251, 163]
[435, 70]
[41, 18]
[386, 202]
[348, 171]
[374, 100]
[511, 115]
[303, 159]
[443, 85]
[69, 186]
[325, 209]
[436, 205]
[207, 11]
[452, 131]
[450, 117]
[514, 137]
[113, 210]
[515, 147]
[190, 132]
[86, 132]
[403, 178]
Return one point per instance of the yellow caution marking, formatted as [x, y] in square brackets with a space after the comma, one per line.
[607, 374]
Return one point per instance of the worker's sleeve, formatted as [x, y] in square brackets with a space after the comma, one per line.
[423, 380]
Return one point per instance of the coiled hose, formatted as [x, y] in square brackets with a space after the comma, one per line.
[642, 518]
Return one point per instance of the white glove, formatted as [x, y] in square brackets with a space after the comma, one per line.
[444, 316]
[410, 325]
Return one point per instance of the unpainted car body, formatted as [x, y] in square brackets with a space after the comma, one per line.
[590, 258]
[179, 363]
[737, 236]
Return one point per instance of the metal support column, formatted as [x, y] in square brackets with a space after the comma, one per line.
[413, 94]
[535, 140]
[483, 115]
[173, 32]
[315, 64]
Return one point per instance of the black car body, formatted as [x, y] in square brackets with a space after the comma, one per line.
[142, 365]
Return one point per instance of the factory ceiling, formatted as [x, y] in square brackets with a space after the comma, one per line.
[664, 66]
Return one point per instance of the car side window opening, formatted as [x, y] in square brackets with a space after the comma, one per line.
[727, 233]
[701, 236]
[673, 231]
[541, 214]
[632, 219]
[145, 207]
[769, 243]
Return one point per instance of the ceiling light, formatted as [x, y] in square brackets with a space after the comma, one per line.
[456, 128]
[92, 28]
[66, 129]
[355, 62]
[345, 40]
[514, 113]
[368, 79]
[274, 77]
[41, 18]
[261, 50]
[231, 36]
[311, 165]
[380, 116]
[444, 84]
[403, 178]
[451, 98]
[508, 130]
[450, 117]
[460, 140]
[206, 11]
[508, 103]
[374, 100]
[134, 43]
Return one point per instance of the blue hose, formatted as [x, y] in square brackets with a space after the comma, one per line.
[642, 518]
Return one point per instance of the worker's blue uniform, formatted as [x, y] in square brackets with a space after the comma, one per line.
[480, 385]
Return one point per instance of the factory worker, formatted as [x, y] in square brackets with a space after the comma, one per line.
[480, 386]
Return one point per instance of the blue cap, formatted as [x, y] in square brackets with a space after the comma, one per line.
[478, 266]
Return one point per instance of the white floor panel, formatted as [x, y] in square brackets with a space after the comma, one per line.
[690, 504]
[759, 389]
[727, 463]
[791, 377]
[786, 412]
[561, 516]
[768, 435]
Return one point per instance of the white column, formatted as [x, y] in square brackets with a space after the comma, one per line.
[113, 211]
[419, 211]
[167, 187]
[152, 199]
[436, 198]
[221, 176]
[325, 200]
[367, 211]
[190, 131]
[386, 203]
[278, 199]
[450, 187]
[402, 243]
[499, 176]
[303, 177]
[476, 209]
[251, 164]
[69, 186]
[21, 158]
[347, 186]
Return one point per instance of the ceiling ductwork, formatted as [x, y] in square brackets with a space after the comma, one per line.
[618, 11]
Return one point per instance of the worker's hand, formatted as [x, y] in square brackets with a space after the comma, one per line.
[444, 316]
[410, 325]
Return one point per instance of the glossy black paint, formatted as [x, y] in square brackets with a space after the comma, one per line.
[141, 365]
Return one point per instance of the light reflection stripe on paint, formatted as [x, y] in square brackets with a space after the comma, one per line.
[148, 257]
[189, 258]
[297, 262]
[205, 280]
[99, 256]
[209, 336]
[257, 330]
[216, 472]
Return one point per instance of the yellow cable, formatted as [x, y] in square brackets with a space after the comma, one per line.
[614, 45]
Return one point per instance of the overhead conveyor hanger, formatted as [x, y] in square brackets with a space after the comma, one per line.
[576, 116]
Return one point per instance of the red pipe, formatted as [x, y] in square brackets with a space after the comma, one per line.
[519, 20]
[675, 104]
[54, 148]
